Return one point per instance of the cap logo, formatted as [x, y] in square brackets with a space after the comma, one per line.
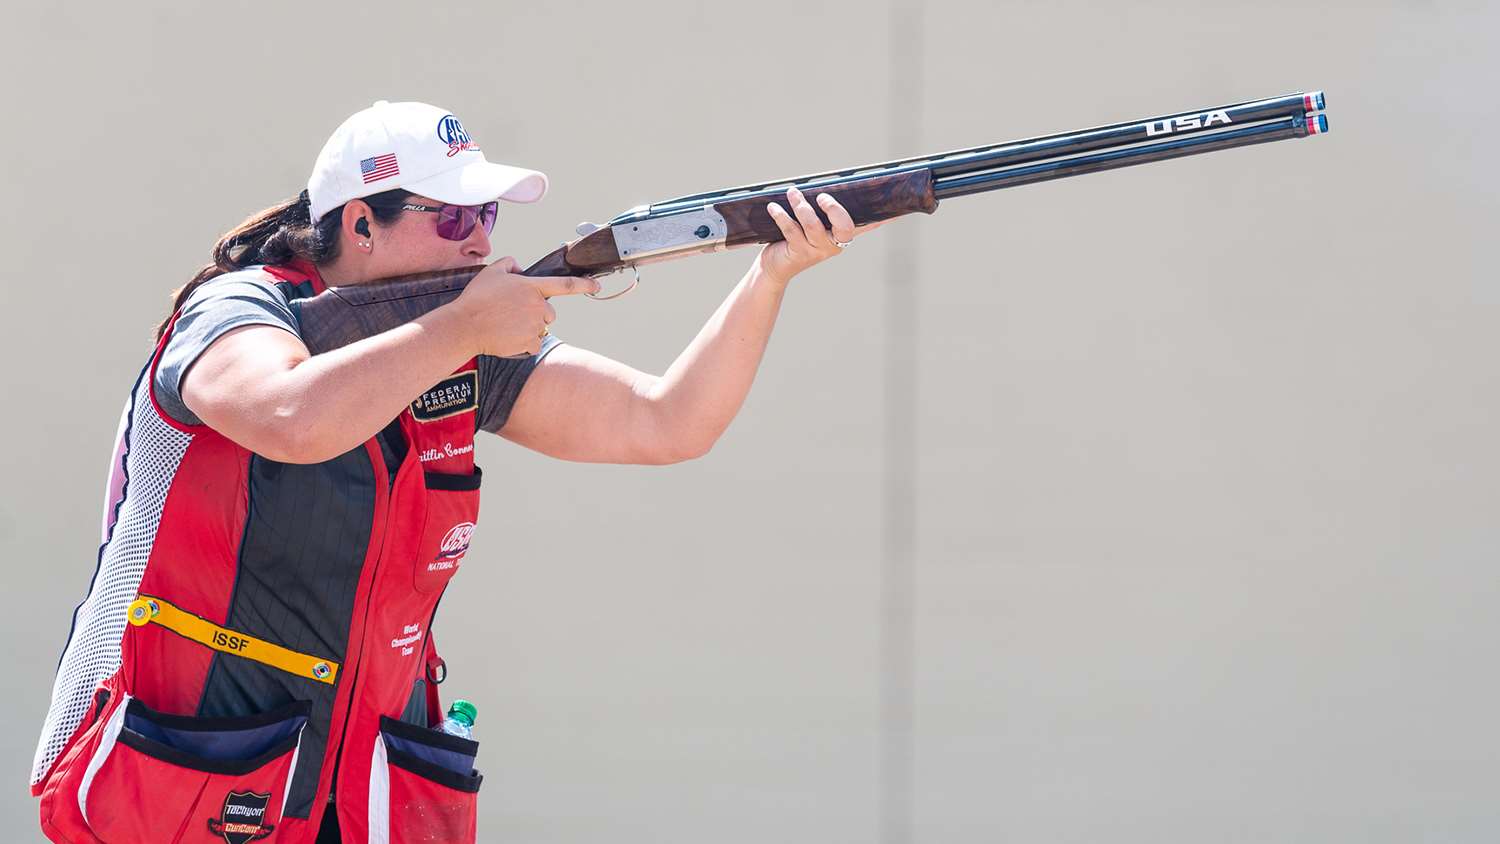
[452, 133]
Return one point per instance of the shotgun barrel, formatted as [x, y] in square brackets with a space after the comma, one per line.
[975, 159]
[723, 219]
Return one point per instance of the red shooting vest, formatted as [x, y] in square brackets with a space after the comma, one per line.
[279, 631]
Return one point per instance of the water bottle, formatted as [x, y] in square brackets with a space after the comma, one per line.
[460, 720]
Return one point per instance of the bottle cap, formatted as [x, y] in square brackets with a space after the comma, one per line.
[464, 711]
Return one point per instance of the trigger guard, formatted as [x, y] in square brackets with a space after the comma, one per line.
[633, 283]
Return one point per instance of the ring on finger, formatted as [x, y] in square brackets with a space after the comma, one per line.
[839, 243]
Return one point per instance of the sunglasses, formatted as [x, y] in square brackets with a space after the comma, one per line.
[456, 222]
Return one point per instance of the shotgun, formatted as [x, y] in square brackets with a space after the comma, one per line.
[724, 219]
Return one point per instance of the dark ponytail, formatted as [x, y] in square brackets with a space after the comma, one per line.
[277, 235]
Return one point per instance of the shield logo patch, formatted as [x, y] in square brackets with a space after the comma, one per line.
[242, 818]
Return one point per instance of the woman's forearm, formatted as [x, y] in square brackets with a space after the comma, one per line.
[299, 409]
[699, 395]
[349, 394]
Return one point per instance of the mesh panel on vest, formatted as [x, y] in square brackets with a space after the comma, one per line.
[153, 450]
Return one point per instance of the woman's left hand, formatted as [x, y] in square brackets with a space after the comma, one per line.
[806, 241]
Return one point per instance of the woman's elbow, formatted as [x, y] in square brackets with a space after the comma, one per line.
[303, 453]
[286, 439]
[283, 447]
[681, 449]
[661, 438]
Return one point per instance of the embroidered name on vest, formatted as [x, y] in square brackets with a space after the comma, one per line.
[453, 395]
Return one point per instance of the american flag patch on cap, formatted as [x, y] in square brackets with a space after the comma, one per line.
[379, 167]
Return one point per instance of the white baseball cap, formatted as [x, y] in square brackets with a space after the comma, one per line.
[416, 147]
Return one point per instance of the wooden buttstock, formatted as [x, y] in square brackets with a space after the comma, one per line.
[867, 200]
[341, 315]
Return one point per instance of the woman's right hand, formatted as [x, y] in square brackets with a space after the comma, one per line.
[506, 311]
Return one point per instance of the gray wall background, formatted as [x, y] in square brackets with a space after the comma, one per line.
[1203, 543]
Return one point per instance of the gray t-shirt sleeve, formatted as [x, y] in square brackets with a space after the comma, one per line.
[500, 383]
[220, 305]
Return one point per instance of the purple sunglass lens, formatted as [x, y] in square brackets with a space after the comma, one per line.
[456, 222]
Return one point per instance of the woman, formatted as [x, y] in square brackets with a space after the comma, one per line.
[279, 527]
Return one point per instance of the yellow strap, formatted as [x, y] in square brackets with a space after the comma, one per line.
[146, 609]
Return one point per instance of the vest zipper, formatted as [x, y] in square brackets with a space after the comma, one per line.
[359, 661]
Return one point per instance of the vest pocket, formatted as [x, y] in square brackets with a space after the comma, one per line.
[156, 776]
[423, 786]
[452, 510]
